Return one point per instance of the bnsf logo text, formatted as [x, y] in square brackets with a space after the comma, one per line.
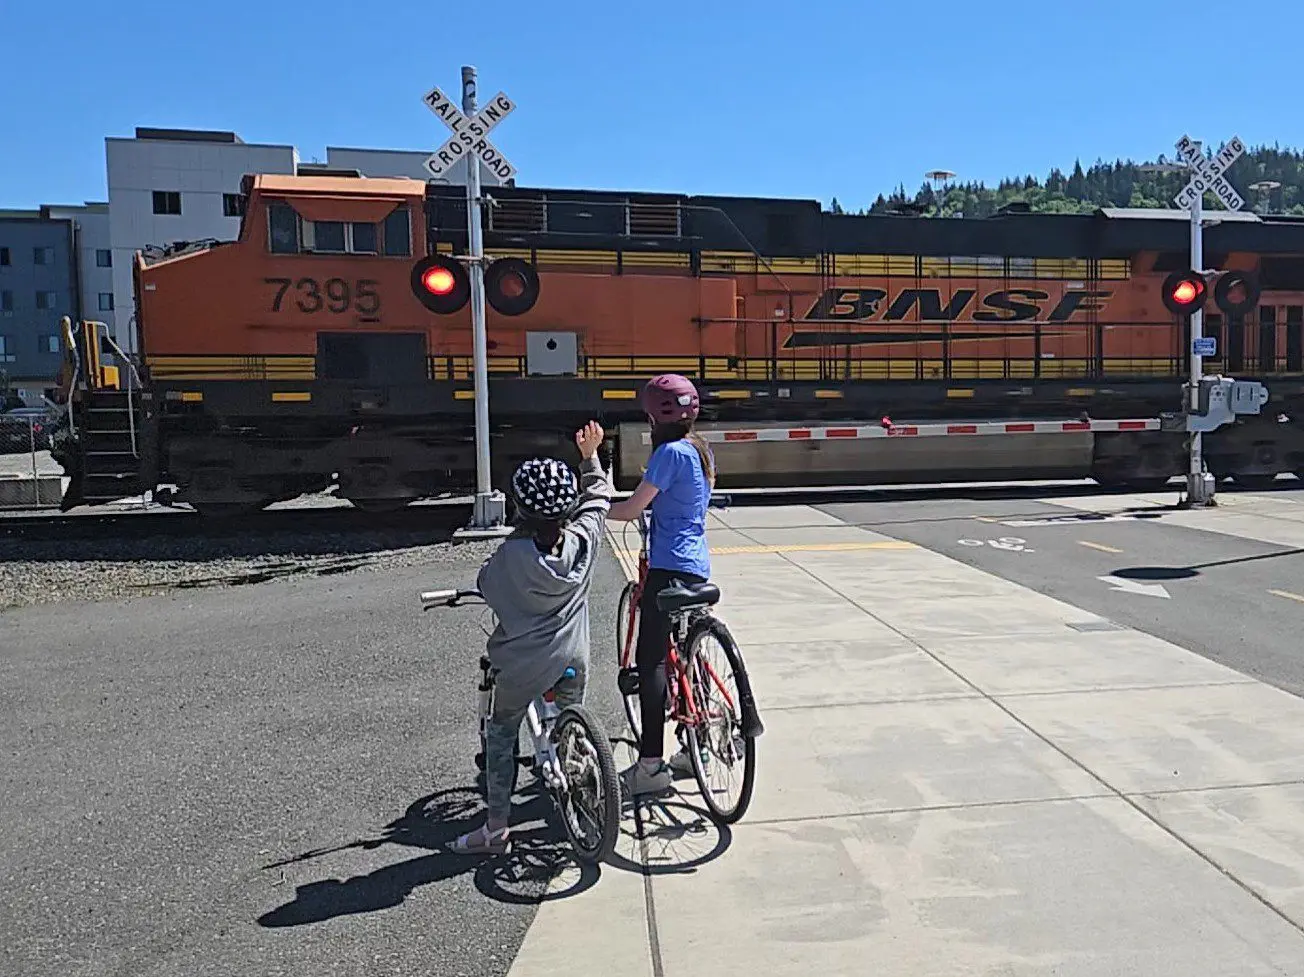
[1006, 305]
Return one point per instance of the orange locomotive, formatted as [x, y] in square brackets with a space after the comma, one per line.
[307, 353]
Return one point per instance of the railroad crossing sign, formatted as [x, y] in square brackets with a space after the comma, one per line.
[1208, 174]
[470, 136]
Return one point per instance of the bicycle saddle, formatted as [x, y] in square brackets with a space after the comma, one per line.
[680, 596]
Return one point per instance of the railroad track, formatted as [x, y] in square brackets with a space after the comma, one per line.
[435, 521]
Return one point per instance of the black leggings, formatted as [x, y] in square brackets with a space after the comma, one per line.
[650, 657]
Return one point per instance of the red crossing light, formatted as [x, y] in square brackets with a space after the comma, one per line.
[1184, 292]
[440, 284]
[438, 281]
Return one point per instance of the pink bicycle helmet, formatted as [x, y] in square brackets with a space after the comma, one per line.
[670, 398]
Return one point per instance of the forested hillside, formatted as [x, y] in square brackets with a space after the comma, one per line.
[1118, 184]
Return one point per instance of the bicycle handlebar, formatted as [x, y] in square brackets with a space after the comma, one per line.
[448, 598]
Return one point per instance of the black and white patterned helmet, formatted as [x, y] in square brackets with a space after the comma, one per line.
[545, 489]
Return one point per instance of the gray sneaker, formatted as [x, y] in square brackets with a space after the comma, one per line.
[638, 780]
[681, 763]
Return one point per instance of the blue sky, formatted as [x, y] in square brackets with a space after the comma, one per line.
[804, 99]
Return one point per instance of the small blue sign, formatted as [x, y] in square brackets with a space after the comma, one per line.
[1206, 346]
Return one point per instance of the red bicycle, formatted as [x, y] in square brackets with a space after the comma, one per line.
[718, 729]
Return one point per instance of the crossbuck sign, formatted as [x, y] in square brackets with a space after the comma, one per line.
[470, 136]
[1207, 174]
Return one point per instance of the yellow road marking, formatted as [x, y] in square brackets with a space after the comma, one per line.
[1288, 595]
[792, 548]
[814, 547]
[1099, 546]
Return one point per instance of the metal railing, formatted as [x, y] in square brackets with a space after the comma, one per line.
[133, 379]
[28, 476]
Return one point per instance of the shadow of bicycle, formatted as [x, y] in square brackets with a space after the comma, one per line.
[669, 835]
[528, 874]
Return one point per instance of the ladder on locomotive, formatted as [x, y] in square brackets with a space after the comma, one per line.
[107, 415]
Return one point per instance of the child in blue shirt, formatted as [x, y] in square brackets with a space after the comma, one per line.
[677, 487]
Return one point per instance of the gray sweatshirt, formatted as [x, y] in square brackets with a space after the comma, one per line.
[541, 600]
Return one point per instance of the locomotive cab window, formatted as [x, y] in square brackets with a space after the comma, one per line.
[289, 233]
[283, 229]
[398, 234]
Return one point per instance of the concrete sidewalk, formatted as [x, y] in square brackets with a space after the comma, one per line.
[959, 776]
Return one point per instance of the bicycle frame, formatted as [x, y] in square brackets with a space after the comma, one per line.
[539, 715]
[682, 709]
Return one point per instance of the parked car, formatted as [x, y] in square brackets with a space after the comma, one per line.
[23, 427]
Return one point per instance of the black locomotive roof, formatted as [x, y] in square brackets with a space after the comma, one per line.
[606, 219]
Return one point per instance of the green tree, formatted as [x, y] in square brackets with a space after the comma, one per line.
[1121, 183]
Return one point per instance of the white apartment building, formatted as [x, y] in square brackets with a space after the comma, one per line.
[169, 185]
[94, 263]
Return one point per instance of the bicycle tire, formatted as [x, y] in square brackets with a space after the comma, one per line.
[711, 625]
[633, 711]
[609, 803]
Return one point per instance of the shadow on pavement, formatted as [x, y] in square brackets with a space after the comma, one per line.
[670, 835]
[539, 854]
[1181, 573]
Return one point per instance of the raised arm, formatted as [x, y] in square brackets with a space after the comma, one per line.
[595, 487]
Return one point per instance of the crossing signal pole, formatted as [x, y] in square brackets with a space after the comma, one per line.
[440, 286]
[1206, 176]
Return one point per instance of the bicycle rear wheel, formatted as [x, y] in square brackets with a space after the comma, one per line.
[590, 804]
[722, 731]
[627, 612]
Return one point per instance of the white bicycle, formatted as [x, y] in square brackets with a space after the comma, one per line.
[572, 753]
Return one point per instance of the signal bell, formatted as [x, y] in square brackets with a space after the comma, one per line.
[1185, 292]
[441, 284]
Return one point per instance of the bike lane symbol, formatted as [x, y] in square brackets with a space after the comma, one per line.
[1011, 543]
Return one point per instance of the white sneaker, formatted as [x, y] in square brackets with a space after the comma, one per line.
[638, 780]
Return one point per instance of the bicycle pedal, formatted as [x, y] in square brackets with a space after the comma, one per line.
[627, 681]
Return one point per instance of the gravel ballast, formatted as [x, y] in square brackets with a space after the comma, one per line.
[192, 554]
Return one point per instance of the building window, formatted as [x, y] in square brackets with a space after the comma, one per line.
[6, 350]
[51, 344]
[6, 301]
[233, 205]
[167, 201]
[398, 233]
[283, 229]
[106, 301]
[43, 256]
[45, 300]
[103, 258]
[4, 256]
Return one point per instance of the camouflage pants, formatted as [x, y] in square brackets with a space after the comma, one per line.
[504, 729]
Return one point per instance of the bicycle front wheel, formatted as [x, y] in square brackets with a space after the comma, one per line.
[721, 745]
[590, 802]
[627, 620]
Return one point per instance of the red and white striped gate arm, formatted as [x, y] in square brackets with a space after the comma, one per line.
[887, 429]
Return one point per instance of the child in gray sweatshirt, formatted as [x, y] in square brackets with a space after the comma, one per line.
[537, 583]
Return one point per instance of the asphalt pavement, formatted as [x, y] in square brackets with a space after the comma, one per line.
[260, 780]
[1237, 601]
